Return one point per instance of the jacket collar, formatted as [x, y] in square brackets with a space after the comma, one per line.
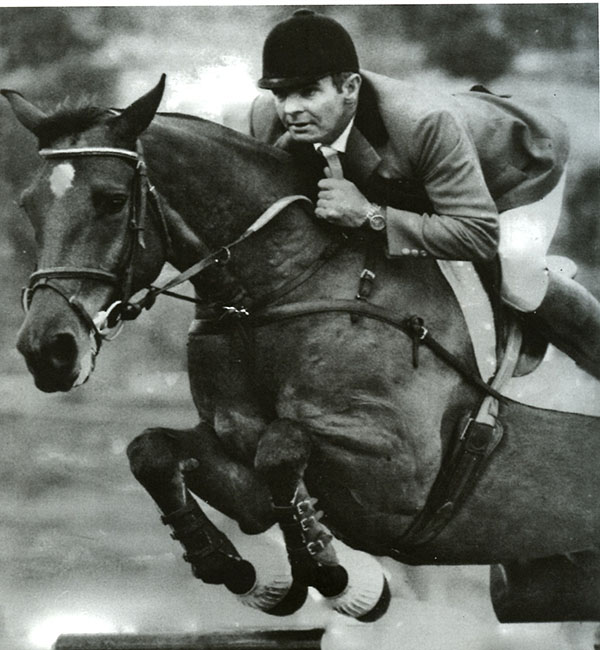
[368, 131]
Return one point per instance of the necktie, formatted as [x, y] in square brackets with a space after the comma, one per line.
[333, 161]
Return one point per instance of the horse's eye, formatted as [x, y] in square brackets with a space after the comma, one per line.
[106, 204]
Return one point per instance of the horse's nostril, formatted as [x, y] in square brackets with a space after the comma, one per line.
[60, 351]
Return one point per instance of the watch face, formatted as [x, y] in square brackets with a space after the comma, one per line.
[377, 222]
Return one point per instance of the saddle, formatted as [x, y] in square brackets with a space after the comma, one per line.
[534, 345]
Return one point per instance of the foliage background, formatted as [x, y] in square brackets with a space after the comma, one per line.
[76, 532]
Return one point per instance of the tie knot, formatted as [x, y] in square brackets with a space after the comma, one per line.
[333, 160]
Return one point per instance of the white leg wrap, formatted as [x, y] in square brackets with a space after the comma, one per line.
[273, 574]
[366, 581]
[266, 593]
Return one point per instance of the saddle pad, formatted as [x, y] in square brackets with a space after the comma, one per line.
[557, 384]
[477, 311]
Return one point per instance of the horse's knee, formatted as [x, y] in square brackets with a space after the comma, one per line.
[151, 456]
[284, 449]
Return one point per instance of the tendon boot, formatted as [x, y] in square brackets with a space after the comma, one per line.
[213, 557]
[308, 542]
[569, 317]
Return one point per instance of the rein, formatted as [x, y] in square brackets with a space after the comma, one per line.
[106, 324]
[476, 442]
[49, 277]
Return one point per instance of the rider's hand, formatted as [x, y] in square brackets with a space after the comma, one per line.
[341, 203]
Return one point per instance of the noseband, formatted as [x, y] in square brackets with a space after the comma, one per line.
[50, 277]
[106, 324]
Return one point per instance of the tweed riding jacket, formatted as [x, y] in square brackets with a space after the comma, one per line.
[470, 156]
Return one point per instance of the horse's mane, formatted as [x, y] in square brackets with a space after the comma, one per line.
[228, 136]
[69, 119]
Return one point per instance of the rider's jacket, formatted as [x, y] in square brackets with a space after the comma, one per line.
[444, 165]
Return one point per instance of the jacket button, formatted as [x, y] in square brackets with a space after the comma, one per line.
[405, 251]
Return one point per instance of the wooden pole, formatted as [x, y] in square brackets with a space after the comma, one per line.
[226, 640]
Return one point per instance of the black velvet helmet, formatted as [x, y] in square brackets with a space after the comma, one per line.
[304, 48]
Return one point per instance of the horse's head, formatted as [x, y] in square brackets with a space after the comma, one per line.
[86, 207]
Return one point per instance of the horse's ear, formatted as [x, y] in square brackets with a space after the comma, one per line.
[137, 116]
[29, 115]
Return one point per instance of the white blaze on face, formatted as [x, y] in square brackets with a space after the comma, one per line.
[61, 179]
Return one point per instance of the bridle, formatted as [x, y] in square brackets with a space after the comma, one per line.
[106, 324]
[122, 279]
[469, 454]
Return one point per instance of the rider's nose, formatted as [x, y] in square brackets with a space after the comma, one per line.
[292, 104]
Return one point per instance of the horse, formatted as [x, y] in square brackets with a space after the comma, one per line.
[303, 391]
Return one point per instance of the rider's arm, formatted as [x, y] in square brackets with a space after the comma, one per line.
[464, 225]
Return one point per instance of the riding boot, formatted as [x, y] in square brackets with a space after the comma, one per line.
[213, 557]
[569, 318]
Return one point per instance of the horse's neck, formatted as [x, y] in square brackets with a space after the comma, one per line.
[215, 186]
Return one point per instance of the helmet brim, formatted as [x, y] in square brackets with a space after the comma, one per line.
[270, 83]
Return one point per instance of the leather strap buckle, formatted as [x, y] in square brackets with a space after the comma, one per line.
[307, 522]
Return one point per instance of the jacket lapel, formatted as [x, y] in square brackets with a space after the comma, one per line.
[361, 159]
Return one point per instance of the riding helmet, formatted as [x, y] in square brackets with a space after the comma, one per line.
[304, 48]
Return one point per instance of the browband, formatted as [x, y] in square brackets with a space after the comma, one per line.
[89, 151]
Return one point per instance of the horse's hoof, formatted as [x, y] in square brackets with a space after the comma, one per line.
[291, 602]
[367, 594]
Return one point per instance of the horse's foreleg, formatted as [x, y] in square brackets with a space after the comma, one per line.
[157, 464]
[356, 586]
[172, 463]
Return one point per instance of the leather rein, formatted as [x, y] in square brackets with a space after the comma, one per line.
[477, 440]
[106, 324]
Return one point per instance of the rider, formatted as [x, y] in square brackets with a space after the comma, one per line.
[469, 176]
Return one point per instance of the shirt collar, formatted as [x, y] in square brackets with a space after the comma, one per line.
[340, 143]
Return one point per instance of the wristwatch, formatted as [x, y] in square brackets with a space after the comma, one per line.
[376, 217]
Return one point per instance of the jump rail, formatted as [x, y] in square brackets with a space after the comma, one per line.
[246, 640]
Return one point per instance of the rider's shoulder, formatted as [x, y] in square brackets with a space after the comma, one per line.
[407, 107]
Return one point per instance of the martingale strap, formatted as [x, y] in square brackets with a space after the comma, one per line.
[219, 257]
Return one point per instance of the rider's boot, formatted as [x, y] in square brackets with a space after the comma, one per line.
[569, 317]
[213, 557]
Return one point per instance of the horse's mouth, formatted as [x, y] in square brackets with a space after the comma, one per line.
[52, 381]
[53, 384]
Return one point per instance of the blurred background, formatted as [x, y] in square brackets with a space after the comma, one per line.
[81, 545]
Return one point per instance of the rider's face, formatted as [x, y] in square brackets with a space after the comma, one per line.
[317, 112]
